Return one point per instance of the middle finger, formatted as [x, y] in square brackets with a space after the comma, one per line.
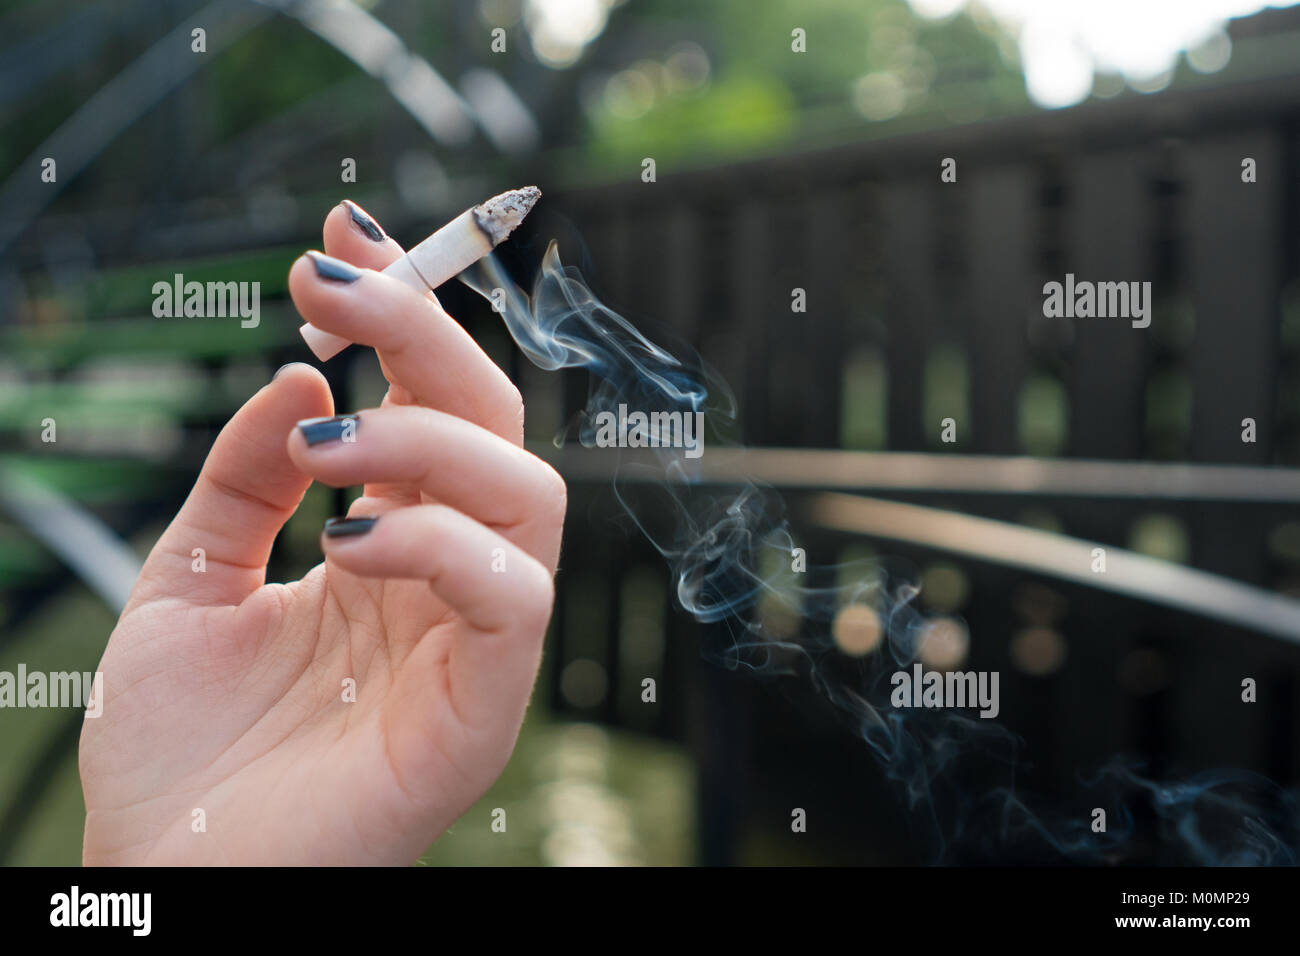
[452, 461]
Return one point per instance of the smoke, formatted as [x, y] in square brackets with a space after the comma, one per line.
[730, 558]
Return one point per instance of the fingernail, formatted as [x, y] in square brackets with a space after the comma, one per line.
[327, 267]
[346, 527]
[338, 428]
[282, 368]
[364, 222]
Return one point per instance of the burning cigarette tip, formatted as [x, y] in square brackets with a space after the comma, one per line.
[501, 215]
[453, 248]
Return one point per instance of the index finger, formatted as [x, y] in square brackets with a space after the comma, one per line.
[422, 349]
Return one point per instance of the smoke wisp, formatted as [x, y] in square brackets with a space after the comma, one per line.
[729, 554]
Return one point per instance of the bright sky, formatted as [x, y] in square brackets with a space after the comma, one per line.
[1063, 42]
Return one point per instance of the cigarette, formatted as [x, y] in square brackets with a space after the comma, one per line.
[451, 250]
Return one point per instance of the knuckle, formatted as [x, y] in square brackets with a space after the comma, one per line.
[513, 398]
[555, 494]
[536, 595]
[512, 407]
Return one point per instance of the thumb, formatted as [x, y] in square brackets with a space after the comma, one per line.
[247, 490]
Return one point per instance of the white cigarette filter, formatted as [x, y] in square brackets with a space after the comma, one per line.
[449, 251]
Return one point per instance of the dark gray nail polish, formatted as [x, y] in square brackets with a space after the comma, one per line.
[364, 222]
[338, 428]
[347, 527]
[327, 267]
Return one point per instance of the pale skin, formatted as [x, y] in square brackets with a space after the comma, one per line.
[224, 694]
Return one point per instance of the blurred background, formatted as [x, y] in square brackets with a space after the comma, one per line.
[796, 145]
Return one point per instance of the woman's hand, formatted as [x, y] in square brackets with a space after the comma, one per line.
[227, 735]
